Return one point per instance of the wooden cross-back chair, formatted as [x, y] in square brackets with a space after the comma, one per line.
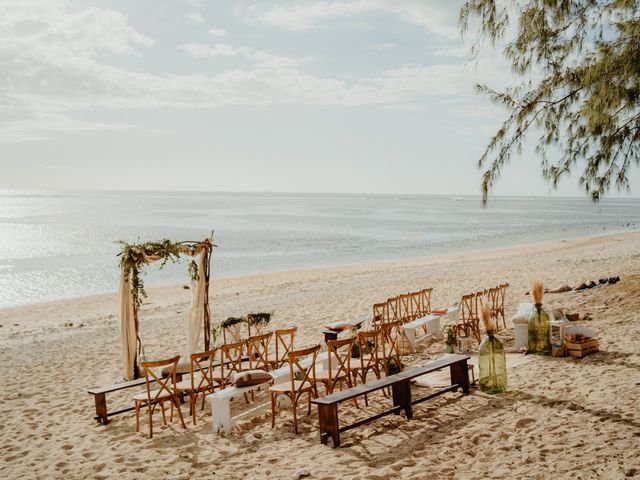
[164, 390]
[390, 339]
[492, 300]
[258, 351]
[306, 383]
[200, 379]
[339, 363]
[231, 360]
[369, 358]
[380, 313]
[468, 321]
[285, 338]
[229, 335]
[393, 309]
[416, 305]
[425, 301]
[502, 295]
[405, 308]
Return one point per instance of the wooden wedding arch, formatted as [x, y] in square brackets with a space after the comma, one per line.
[133, 258]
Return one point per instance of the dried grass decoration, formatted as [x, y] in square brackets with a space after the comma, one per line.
[492, 362]
[539, 332]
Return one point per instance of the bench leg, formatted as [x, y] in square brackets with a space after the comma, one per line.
[221, 415]
[101, 408]
[402, 396]
[328, 418]
[460, 375]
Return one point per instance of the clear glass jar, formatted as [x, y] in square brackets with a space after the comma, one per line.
[492, 364]
[539, 339]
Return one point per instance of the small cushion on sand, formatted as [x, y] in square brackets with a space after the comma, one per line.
[339, 326]
[439, 311]
[249, 377]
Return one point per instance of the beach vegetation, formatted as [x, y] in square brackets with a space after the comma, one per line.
[577, 87]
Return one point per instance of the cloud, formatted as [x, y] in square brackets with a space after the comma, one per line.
[218, 32]
[263, 59]
[54, 67]
[196, 17]
[383, 46]
[439, 18]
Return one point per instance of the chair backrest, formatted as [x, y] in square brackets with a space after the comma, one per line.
[380, 312]
[339, 357]
[405, 308]
[467, 307]
[234, 333]
[285, 337]
[393, 308]
[425, 301]
[502, 295]
[201, 369]
[163, 386]
[258, 351]
[307, 375]
[416, 305]
[493, 295]
[231, 356]
[368, 346]
[390, 338]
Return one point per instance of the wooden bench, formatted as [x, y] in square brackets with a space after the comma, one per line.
[220, 401]
[100, 397]
[400, 384]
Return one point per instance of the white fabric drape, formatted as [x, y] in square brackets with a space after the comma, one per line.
[196, 314]
[127, 327]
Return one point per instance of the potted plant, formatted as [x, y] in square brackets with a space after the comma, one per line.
[449, 338]
[259, 321]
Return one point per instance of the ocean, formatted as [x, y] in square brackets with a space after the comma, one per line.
[56, 245]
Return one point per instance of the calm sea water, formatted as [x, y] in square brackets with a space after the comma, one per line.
[60, 245]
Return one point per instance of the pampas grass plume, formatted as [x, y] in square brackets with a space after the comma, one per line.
[485, 316]
[537, 291]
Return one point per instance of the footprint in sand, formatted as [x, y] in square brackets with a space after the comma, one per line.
[525, 422]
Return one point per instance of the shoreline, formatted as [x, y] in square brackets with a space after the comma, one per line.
[498, 252]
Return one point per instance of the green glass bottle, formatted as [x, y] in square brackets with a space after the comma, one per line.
[539, 339]
[492, 364]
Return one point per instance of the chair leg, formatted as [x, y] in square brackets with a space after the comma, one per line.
[294, 404]
[164, 418]
[137, 405]
[176, 401]
[309, 402]
[273, 409]
[150, 410]
[192, 399]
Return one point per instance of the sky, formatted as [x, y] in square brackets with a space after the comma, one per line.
[371, 96]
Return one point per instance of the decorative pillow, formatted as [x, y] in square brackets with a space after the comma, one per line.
[249, 377]
[439, 311]
[339, 326]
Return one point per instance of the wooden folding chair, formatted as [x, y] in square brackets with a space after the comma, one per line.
[200, 379]
[390, 339]
[339, 363]
[296, 388]
[285, 338]
[369, 360]
[164, 390]
[493, 301]
[416, 306]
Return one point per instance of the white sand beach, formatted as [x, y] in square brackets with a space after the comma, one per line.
[561, 418]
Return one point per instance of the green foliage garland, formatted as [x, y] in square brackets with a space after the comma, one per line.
[134, 256]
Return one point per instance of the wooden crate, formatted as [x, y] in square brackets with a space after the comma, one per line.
[583, 349]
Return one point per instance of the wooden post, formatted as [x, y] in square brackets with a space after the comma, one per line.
[101, 408]
[460, 375]
[206, 273]
[402, 396]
